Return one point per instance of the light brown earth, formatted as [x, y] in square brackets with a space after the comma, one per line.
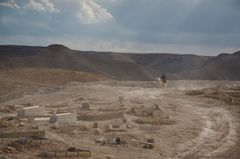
[203, 127]
[15, 83]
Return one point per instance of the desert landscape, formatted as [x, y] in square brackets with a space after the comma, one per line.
[59, 103]
[188, 119]
[119, 79]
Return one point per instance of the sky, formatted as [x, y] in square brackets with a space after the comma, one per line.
[204, 27]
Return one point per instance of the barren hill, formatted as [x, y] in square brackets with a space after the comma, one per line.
[223, 66]
[171, 63]
[61, 57]
[122, 66]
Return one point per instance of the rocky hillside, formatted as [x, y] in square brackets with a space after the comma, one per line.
[223, 66]
[122, 66]
[61, 57]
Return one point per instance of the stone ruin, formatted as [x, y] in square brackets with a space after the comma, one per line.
[117, 126]
[120, 101]
[63, 119]
[151, 115]
[84, 107]
[31, 111]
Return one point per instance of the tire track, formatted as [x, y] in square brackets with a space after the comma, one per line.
[217, 136]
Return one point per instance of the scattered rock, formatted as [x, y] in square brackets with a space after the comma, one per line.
[110, 157]
[101, 141]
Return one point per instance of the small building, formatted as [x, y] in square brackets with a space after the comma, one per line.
[32, 111]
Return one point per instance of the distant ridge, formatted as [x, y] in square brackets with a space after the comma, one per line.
[126, 66]
[237, 53]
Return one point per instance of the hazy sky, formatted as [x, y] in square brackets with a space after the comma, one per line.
[175, 26]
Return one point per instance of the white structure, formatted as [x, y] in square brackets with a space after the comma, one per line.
[32, 111]
[64, 118]
[43, 121]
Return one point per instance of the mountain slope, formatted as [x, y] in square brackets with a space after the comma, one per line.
[171, 63]
[224, 67]
[122, 66]
[61, 57]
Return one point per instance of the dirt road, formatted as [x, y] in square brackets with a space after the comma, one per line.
[218, 133]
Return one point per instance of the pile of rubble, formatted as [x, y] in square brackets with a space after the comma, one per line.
[14, 147]
[146, 143]
[8, 109]
[9, 122]
[110, 141]
[153, 115]
[230, 95]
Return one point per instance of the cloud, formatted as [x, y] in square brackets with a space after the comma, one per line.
[210, 18]
[10, 4]
[36, 5]
[127, 25]
[41, 6]
[91, 12]
[7, 19]
[43, 26]
[87, 11]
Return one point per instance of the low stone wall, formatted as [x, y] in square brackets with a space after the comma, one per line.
[99, 117]
[40, 133]
[32, 111]
[64, 118]
[63, 154]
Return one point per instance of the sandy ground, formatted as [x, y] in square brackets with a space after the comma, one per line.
[202, 128]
